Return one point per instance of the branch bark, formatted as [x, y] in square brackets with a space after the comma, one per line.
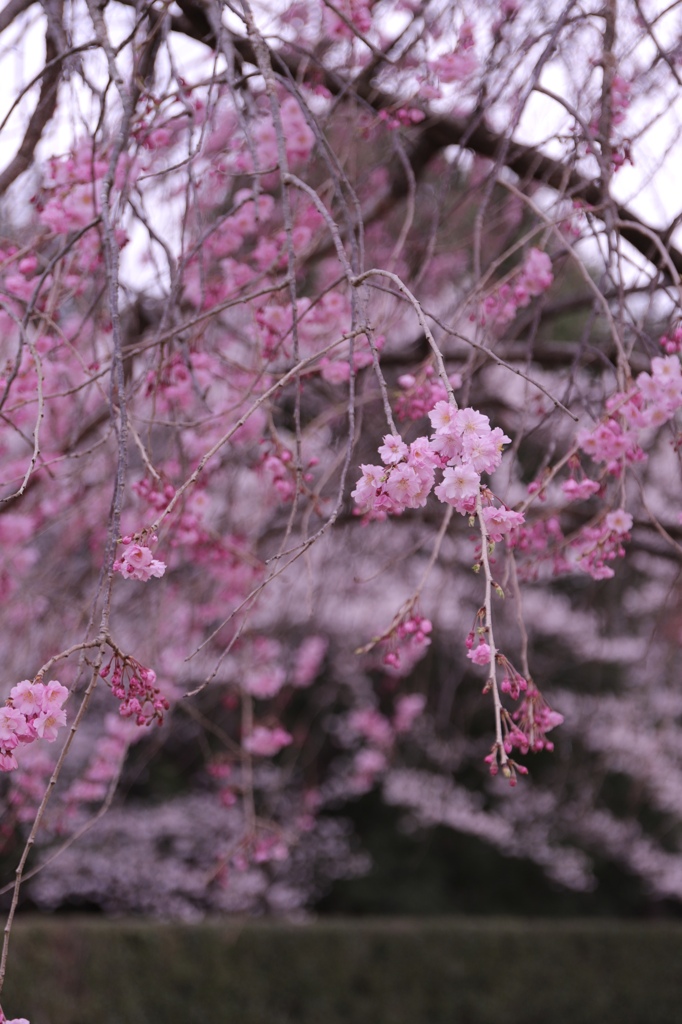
[44, 111]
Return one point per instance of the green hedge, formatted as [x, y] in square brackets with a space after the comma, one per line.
[441, 971]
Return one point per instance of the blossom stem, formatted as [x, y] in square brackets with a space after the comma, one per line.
[492, 678]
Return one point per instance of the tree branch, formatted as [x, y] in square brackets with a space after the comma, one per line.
[437, 133]
[42, 115]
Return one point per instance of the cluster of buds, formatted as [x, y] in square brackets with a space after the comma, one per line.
[408, 643]
[513, 683]
[533, 720]
[478, 649]
[134, 686]
[672, 344]
[403, 117]
[499, 760]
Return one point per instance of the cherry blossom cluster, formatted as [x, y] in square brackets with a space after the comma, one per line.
[478, 650]
[134, 686]
[263, 665]
[461, 63]
[308, 661]
[534, 277]
[651, 402]
[280, 470]
[597, 545]
[317, 324]
[357, 12]
[137, 562]
[70, 200]
[378, 735]
[260, 666]
[282, 473]
[421, 392]
[615, 442]
[188, 526]
[242, 246]
[32, 711]
[175, 384]
[463, 445]
[621, 91]
[228, 565]
[298, 139]
[72, 185]
[404, 481]
[402, 117]
[266, 742]
[157, 126]
[590, 549]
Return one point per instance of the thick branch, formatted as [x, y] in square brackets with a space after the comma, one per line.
[12, 10]
[42, 115]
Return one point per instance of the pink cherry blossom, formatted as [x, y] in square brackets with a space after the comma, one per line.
[371, 724]
[407, 709]
[28, 697]
[309, 658]
[53, 696]
[393, 450]
[13, 727]
[48, 722]
[580, 490]
[459, 483]
[265, 682]
[443, 417]
[480, 655]
[138, 563]
[618, 521]
[266, 742]
[501, 521]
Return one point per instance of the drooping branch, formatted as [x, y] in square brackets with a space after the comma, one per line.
[43, 113]
[436, 133]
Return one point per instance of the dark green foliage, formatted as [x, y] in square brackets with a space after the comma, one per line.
[77, 971]
[439, 871]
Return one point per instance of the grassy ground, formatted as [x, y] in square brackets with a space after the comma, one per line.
[420, 971]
